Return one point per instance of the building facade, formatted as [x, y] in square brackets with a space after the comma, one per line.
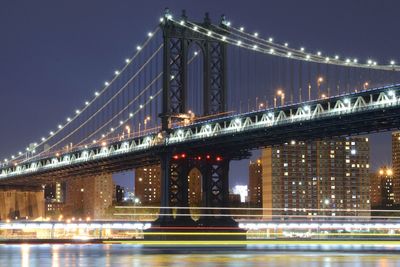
[54, 195]
[148, 185]
[255, 183]
[26, 203]
[89, 197]
[119, 194]
[396, 166]
[375, 191]
[328, 178]
[382, 194]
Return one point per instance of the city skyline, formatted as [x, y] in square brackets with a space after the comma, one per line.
[175, 132]
[54, 82]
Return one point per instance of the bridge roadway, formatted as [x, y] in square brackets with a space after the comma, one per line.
[362, 112]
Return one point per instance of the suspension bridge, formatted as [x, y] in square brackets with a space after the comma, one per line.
[198, 95]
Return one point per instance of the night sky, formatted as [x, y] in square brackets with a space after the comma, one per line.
[54, 54]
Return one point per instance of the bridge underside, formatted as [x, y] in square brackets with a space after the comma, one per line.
[237, 144]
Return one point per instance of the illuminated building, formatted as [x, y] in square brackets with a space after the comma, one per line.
[22, 202]
[89, 197]
[382, 195]
[376, 191]
[317, 178]
[255, 183]
[241, 190]
[54, 195]
[119, 194]
[148, 185]
[396, 166]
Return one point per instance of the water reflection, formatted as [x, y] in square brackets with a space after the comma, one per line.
[131, 255]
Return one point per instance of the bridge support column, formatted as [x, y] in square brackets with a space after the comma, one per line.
[180, 168]
[175, 170]
[165, 217]
[174, 191]
[216, 193]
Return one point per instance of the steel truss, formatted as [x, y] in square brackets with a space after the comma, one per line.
[177, 40]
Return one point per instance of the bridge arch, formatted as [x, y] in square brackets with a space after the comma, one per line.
[195, 192]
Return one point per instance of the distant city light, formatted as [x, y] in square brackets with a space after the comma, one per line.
[241, 190]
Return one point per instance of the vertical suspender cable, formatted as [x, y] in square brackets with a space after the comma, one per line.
[291, 81]
[300, 81]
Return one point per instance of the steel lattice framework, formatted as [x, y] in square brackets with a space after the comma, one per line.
[357, 113]
[177, 40]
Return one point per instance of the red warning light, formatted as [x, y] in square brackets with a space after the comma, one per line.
[208, 157]
[175, 157]
[199, 158]
[218, 158]
[183, 155]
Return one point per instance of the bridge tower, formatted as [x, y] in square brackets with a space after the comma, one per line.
[177, 40]
[176, 165]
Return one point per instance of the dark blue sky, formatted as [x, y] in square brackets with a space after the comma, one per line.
[53, 54]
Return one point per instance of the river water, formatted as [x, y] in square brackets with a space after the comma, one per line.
[133, 255]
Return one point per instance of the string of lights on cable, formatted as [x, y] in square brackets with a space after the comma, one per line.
[87, 104]
[268, 46]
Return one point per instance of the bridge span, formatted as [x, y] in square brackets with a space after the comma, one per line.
[232, 136]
